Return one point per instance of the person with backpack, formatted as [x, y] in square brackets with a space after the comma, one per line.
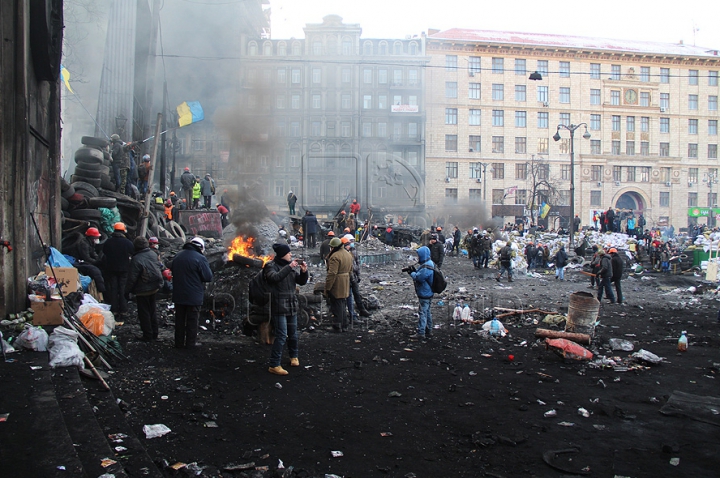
[282, 275]
[506, 255]
[486, 244]
[561, 259]
[423, 279]
[605, 274]
[145, 280]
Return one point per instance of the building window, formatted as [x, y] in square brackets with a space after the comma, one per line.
[645, 73]
[564, 146]
[474, 64]
[712, 78]
[295, 129]
[397, 77]
[316, 76]
[692, 102]
[413, 77]
[615, 72]
[644, 124]
[564, 69]
[617, 173]
[451, 90]
[412, 130]
[595, 97]
[630, 174]
[451, 195]
[281, 76]
[520, 93]
[630, 124]
[565, 119]
[664, 101]
[616, 123]
[451, 169]
[498, 170]
[644, 98]
[542, 94]
[692, 126]
[615, 97]
[521, 171]
[693, 174]
[451, 62]
[345, 76]
[498, 144]
[521, 119]
[616, 147]
[543, 145]
[595, 198]
[367, 130]
[498, 196]
[346, 102]
[664, 149]
[474, 91]
[295, 77]
[542, 119]
[367, 102]
[520, 66]
[475, 195]
[595, 146]
[692, 199]
[712, 151]
[316, 128]
[664, 125]
[542, 67]
[595, 71]
[664, 75]
[498, 117]
[564, 95]
[382, 102]
[382, 77]
[367, 76]
[345, 129]
[692, 150]
[498, 65]
[712, 103]
[565, 172]
[498, 92]
[712, 127]
[316, 101]
[645, 148]
[693, 77]
[382, 130]
[474, 117]
[664, 199]
[595, 121]
[521, 196]
[520, 145]
[475, 143]
[450, 142]
[596, 172]
[645, 174]
[630, 148]
[280, 102]
[295, 102]
[451, 115]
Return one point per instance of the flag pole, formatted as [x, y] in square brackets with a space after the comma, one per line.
[148, 196]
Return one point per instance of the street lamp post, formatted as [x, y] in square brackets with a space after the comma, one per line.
[571, 128]
[484, 166]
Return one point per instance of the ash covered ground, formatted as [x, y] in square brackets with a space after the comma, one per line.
[455, 405]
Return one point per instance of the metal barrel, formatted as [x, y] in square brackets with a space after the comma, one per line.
[582, 313]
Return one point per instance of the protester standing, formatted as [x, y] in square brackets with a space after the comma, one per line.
[618, 267]
[456, 241]
[144, 173]
[337, 283]
[560, 260]
[187, 181]
[422, 279]
[291, 200]
[437, 250]
[325, 246]
[207, 190]
[605, 273]
[189, 270]
[310, 228]
[506, 255]
[196, 193]
[118, 251]
[145, 280]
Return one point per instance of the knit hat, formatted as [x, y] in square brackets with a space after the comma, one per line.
[281, 250]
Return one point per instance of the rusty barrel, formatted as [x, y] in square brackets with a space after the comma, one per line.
[582, 313]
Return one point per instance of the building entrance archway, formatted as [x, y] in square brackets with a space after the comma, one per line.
[631, 200]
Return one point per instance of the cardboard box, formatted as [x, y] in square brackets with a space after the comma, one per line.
[49, 312]
[67, 276]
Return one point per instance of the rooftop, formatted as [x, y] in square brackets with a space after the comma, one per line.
[574, 42]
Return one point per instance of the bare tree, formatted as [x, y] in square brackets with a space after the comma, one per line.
[542, 187]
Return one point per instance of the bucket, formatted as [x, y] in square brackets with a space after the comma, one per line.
[582, 313]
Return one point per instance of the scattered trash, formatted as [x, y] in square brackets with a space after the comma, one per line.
[566, 424]
[621, 344]
[4, 417]
[674, 461]
[336, 454]
[154, 431]
[550, 413]
[120, 449]
[645, 356]
[211, 424]
[554, 319]
[386, 434]
[599, 427]
[569, 349]
[117, 437]
[32, 338]
[278, 386]
[551, 456]
[583, 412]
[178, 466]
[683, 342]
[394, 394]
[242, 467]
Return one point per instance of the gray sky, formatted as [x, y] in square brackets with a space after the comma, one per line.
[667, 21]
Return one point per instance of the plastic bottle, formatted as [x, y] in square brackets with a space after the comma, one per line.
[457, 313]
[682, 342]
[495, 327]
[465, 313]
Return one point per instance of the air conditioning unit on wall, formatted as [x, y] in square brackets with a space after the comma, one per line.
[668, 184]
[478, 180]
[662, 109]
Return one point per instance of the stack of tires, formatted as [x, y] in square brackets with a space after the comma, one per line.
[92, 163]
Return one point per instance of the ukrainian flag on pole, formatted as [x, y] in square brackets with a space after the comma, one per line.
[544, 210]
[189, 112]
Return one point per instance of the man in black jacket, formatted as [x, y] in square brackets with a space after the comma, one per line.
[187, 180]
[116, 263]
[189, 269]
[605, 273]
[456, 241]
[618, 266]
[282, 276]
[437, 250]
[144, 280]
[310, 228]
[88, 254]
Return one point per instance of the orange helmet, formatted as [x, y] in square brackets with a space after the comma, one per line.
[119, 226]
[347, 229]
[331, 233]
[92, 232]
[612, 249]
[344, 240]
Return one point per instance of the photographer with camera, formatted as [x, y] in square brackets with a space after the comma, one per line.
[423, 278]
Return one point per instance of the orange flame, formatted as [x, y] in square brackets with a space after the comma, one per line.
[244, 246]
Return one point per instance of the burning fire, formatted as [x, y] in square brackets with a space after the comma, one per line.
[244, 247]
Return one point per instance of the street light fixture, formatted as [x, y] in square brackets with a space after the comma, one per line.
[557, 137]
[535, 76]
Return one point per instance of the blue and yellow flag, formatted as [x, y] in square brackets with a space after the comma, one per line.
[544, 210]
[65, 75]
[189, 112]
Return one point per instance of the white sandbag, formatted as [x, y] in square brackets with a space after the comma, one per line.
[63, 348]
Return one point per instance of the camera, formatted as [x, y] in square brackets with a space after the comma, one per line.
[408, 269]
[300, 262]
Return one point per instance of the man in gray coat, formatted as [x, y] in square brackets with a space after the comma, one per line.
[207, 190]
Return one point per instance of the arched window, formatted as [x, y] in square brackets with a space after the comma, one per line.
[397, 48]
[296, 48]
[383, 48]
[413, 48]
[252, 48]
[267, 48]
[317, 47]
[347, 46]
[332, 45]
[367, 48]
[282, 48]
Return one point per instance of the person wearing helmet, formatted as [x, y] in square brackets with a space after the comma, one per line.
[120, 161]
[144, 280]
[154, 245]
[118, 251]
[337, 283]
[325, 246]
[340, 221]
[144, 170]
[187, 181]
[618, 267]
[190, 269]
[88, 253]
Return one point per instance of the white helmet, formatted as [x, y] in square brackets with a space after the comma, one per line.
[349, 237]
[198, 242]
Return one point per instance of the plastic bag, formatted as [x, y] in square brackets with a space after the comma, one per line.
[569, 349]
[102, 325]
[63, 348]
[32, 338]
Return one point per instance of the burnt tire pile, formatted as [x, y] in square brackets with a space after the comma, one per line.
[91, 188]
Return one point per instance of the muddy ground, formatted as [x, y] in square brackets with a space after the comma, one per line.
[451, 406]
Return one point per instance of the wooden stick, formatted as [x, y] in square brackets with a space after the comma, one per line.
[584, 339]
[588, 274]
[97, 374]
[517, 312]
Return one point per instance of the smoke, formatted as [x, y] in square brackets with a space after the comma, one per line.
[466, 215]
